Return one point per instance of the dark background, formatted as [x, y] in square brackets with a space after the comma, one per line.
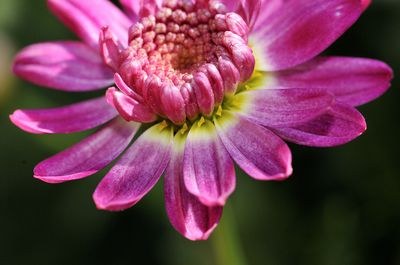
[341, 206]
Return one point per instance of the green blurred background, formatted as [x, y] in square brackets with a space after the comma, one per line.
[341, 206]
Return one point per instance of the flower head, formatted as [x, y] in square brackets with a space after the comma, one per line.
[209, 82]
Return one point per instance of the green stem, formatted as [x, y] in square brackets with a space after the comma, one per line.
[226, 242]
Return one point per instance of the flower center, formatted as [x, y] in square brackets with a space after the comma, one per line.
[186, 58]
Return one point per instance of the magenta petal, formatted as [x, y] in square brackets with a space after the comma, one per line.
[110, 49]
[67, 65]
[68, 119]
[191, 218]
[132, 8]
[86, 18]
[268, 8]
[354, 81]
[340, 125]
[125, 88]
[137, 171]
[302, 30]
[250, 10]
[208, 170]
[129, 108]
[173, 104]
[282, 107]
[365, 3]
[231, 5]
[204, 93]
[88, 156]
[257, 150]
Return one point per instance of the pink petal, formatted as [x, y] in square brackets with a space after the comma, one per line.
[302, 30]
[340, 125]
[268, 9]
[208, 170]
[67, 65]
[282, 107]
[125, 88]
[132, 8]
[250, 10]
[88, 156]
[110, 50]
[204, 93]
[137, 171]
[365, 3]
[231, 5]
[68, 119]
[257, 150]
[191, 218]
[173, 104]
[354, 81]
[86, 18]
[129, 108]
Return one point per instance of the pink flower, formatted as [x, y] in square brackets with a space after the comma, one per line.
[209, 82]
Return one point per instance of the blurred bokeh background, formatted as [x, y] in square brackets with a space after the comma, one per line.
[341, 206]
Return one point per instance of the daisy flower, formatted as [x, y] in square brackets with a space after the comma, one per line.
[199, 85]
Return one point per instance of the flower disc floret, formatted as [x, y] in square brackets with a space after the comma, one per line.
[183, 60]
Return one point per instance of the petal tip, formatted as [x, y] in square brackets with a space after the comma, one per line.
[21, 120]
[386, 71]
[49, 180]
[41, 175]
[363, 126]
[200, 237]
[101, 202]
[286, 175]
[389, 74]
[365, 4]
[108, 204]
[278, 177]
[14, 66]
